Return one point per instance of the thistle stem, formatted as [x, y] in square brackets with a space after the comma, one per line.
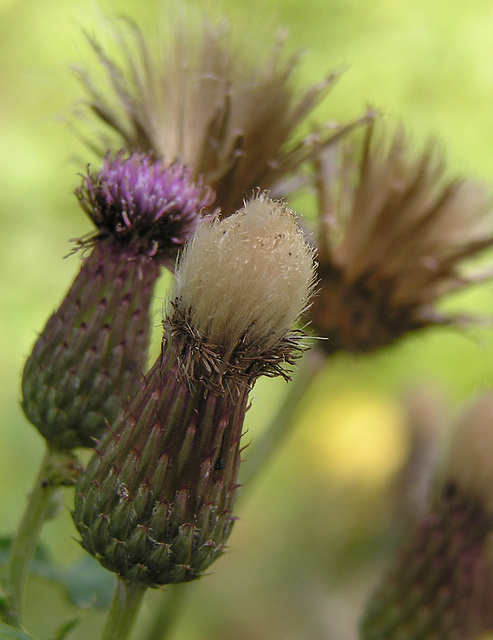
[167, 613]
[282, 424]
[38, 509]
[127, 599]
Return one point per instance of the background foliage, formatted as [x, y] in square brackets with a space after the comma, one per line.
[314, 530]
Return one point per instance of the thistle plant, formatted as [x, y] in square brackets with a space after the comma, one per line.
[88, 360]
[155, 504]
[393, 236]
[202, 144]
[441, 584]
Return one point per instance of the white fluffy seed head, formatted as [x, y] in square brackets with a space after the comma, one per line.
[246, 277]
[468, 463]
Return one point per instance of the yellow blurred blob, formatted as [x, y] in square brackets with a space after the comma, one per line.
[359, 439]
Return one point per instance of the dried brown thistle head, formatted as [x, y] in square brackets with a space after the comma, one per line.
[198, 97]
[393, 234]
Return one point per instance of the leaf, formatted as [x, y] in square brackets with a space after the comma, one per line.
[10, 633]
[86, 583]
[63, 631]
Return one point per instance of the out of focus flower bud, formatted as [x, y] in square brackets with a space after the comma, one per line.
[441, 584]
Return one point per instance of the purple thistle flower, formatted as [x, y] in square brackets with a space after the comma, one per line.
[88, 360]
[143, 203]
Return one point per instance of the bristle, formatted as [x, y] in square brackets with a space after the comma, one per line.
[246, 278]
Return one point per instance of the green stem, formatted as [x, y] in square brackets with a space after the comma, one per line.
[167, 613]
[280, 427]
[125, 606]
[39, 508]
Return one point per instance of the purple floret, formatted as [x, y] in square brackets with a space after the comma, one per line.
[144, 202]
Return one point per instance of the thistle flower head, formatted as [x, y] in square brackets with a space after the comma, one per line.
[393, 233]
[143, 203]
[156, 502]
[259, 256]
[242, 282]
[196, 96]
[467, 468]
[441, 585]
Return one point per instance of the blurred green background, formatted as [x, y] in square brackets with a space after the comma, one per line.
[315, 529]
